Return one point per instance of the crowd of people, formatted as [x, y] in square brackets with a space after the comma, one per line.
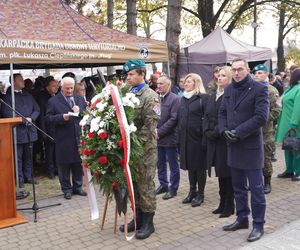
[230, 126]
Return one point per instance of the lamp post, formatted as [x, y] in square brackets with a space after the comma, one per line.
[254, 23]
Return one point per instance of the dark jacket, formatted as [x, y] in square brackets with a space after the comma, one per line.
[245, 108]
[190, 132]
[42, 100]
[216, 143]
[67, 133]
[166, 127]
[27, 106]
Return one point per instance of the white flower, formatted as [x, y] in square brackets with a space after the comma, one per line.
[84, 120]
[102, 124]
[135, 100]
[94, 125]
[132, 128]
[101, 105]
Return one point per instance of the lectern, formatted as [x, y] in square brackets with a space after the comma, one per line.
[8, 213]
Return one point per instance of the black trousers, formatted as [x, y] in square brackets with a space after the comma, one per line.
[197, 177]
[64, 171]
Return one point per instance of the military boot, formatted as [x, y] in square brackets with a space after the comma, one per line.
[148, 228]
[267, 187]
[130, 225]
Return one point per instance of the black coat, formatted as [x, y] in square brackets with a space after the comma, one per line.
[167, 124]
[67, 133]
[26, 106]
[245, 108]
[216, 143]
[190, 133]
[42, 100]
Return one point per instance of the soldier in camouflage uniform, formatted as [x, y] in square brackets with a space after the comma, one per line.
[146, 119]
[261, 72]
[212, 86]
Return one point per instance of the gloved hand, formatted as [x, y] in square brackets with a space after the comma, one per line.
[231, 136]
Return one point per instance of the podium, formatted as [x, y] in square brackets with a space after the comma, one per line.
[8, 213]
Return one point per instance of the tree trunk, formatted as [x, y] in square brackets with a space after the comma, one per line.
[131, 14]
[206, 13]
[172, 35]
[110, 24]
[280, 48]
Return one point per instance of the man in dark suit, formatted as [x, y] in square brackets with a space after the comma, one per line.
[50, 90]
[67, 136]
[167, 139]
[243, 112]
[26, 133]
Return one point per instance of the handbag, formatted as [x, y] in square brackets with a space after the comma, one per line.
[291, 141]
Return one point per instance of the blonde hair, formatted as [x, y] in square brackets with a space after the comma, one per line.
[199, 87]
[228, 73]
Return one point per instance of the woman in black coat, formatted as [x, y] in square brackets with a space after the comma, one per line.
[217, 147]
[190, 131]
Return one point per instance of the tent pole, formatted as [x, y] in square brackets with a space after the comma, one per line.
[168, 68]
[14, 130]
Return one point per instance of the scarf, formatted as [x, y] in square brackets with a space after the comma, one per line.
[137, 88]
[189, 94]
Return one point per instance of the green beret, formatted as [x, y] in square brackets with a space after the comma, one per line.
[260, 67]
[133, 64]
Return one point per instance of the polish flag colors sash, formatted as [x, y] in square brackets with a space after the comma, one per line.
[125, 135]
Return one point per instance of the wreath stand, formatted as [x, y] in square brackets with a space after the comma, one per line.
[116, 217]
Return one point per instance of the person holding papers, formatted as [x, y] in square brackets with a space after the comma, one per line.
[63, 113]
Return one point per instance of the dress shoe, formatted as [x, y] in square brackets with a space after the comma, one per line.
[296, 177]
[198, 200]
[220, 207]
[255, 234]
[21, 184]
[191, 195]
[51, 176]
[161, 190]
[226, 214]
[236, 226]
[285, 175]
[68, 196]
[169, 195]
[80, 192]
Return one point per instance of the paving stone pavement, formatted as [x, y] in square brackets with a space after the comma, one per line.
[178, 226]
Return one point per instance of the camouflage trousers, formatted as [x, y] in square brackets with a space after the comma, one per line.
[145, 197]
[268, 151]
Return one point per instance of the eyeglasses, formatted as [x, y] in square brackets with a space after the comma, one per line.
[237, 70]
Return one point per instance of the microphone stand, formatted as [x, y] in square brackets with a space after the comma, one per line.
[35, 207]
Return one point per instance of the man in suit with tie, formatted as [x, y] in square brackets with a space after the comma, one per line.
[67, 136]
[243, 112]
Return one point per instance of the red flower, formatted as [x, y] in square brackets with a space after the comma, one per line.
[103, 135]
[82, 142]
[91, 152]
[96, 175]
[120, 143]
[102, 159]
[85, 165]
[91, 134]
[122, 161]
[115, 184]
[85, 152]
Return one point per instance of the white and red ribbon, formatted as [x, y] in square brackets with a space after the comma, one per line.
[125, 135]
[87, 178]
